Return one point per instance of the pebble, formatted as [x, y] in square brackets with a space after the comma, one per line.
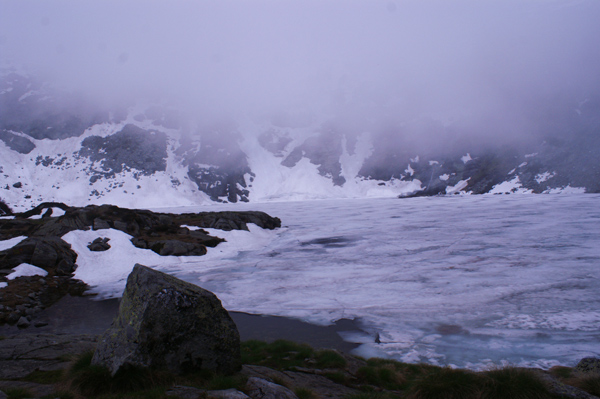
[23, 322]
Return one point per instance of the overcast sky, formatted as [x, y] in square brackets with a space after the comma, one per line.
[472, 59]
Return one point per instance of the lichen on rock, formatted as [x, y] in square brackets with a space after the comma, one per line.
[166, 323]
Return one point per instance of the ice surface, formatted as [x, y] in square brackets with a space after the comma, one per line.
[25, 269]
[463, 280]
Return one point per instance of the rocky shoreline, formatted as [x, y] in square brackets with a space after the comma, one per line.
[43, 226]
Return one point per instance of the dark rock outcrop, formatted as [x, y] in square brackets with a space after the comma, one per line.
[99, 244]
[166, 323]
[5, 209]
[216, 163]
[16, 143]
[132, 148]
[49, 253]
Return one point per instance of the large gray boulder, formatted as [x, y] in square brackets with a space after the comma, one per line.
[166, 323]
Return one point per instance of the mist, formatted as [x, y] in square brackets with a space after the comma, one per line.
[493, 68]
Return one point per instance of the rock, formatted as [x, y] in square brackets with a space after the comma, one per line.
[177, 248]
[23, 322]
[588, 365]
[16, 143]
[24, 353]
[166, 323]
[259, 388]
[5, 209]
[12, 318]
[100, 224]
[35, 389]
[227, 394]
[47, 253]
[183, 392]
[559, 389]
[321, 386]
[130, 148]
[99, 244]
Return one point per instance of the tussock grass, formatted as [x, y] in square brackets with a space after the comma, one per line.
[17, 393]
[304, 393]
[589, 382]
[280, 354]
[446, 383]
[328, 358]
[371, 395]
[45, 377]
[511, 382]
[93, 380]
[376, 379]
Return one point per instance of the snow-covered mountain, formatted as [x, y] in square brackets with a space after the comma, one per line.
[55, 146]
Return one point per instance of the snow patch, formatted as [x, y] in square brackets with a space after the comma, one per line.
[542, 177]
[565, 190]
[25, 269]
[462, 184]
[6, 244]
[510, 187]
[444, 177]
[106, 271]
[466, 158]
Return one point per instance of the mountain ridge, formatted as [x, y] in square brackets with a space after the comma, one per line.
[152, 156]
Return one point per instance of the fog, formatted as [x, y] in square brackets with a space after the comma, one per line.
[492, 67]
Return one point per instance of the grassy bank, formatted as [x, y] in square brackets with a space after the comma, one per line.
[367, 379]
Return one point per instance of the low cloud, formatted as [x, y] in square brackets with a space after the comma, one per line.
[492, 68]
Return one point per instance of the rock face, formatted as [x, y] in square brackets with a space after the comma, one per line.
[131, 148]
[166, 323]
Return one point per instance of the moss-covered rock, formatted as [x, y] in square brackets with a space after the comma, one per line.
[166, 323]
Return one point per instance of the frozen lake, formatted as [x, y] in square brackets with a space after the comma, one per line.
[464, 280]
